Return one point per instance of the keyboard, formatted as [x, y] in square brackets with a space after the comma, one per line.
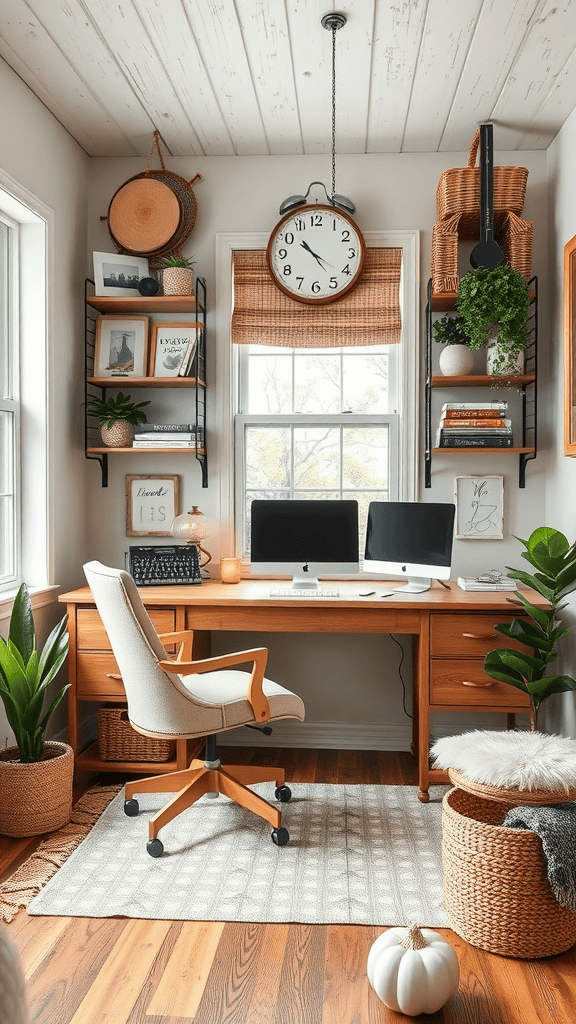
[301, 592]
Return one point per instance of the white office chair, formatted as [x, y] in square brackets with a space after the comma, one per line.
[179, 698]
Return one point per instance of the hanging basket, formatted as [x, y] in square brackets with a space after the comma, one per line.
[36, 797]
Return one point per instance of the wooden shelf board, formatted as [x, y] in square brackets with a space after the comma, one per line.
[444, 302]
[146, 382]
[465, 450]
[90, 761]
[163, 449]
[144, 304]
[473, 380]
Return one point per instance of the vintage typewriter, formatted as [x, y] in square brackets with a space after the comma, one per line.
[158, 565]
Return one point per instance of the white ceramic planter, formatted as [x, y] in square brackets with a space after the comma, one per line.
[456, 360]
[491, 352]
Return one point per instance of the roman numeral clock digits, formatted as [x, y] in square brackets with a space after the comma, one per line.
[315, 254]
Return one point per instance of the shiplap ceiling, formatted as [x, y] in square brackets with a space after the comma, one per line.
[250, 77]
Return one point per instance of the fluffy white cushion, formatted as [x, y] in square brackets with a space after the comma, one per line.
[513, 759]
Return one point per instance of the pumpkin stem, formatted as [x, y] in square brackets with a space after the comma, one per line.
[414, 938]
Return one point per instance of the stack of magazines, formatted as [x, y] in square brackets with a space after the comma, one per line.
[168, 435]
[474, 425]
[504, 583]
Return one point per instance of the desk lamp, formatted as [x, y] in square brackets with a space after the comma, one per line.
[194, 527]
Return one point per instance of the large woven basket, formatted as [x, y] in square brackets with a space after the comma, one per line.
[118, 741]
[458, 192]
[515, 236]
[496, 888]
[36, 797]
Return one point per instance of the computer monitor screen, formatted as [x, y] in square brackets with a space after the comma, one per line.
[410, 539]
[306, 539]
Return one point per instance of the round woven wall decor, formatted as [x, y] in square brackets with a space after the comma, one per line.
[144, 215]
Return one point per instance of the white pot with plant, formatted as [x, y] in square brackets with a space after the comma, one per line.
[36, 775]
[493, 306]
[456, 359]
[118, 416]
[177, 275]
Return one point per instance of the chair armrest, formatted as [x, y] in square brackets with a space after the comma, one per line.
[184, 637]
[258, 656]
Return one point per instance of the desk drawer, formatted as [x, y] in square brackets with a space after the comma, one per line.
[92, 671]
[468, 636]
[91, 635]
[463, 682]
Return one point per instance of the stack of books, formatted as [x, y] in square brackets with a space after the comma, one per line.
[186, 368]
[168, 435]
[474, 425]
[471, 583]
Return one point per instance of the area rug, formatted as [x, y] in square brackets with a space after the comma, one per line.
[357, 855]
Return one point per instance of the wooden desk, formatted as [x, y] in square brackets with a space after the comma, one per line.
[451, 630]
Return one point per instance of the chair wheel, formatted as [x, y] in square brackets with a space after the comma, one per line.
[283, 794]
[280, 836]
[155, 847]
[131, 808]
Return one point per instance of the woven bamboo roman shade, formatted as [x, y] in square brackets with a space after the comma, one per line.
[368, 315]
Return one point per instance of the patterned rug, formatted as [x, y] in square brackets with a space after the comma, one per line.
[357, 855]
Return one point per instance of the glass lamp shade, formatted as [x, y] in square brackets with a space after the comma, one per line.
[193, 527]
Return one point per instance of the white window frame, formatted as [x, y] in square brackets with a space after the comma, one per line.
[227, 383]
[11, 403]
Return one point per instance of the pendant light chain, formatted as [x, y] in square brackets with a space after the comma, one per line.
[333, 110]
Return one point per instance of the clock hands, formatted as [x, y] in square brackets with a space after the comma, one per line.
[318, 259]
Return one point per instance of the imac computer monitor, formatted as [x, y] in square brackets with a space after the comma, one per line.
[306, 539]
[410, 539]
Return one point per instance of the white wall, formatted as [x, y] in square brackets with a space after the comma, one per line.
[390, 192]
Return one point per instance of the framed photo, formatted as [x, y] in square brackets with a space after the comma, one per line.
[121, 346]
[170, 344]
[570, 347]
[118, 275]
[479, 507]
[151, 505]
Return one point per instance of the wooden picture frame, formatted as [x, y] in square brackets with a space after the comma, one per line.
[479, 507]
[116, 274]
[570, 348]
[152, 504]
[121, 346]
[170, 344]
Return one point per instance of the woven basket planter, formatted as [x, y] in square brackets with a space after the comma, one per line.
[119, 435]
[496, 888]
[178, 281]
[36, 797]
[118, 741]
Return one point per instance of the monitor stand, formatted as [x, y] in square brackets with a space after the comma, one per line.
[306, 583]
[415, 585]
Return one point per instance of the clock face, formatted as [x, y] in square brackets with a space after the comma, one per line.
[315, 254]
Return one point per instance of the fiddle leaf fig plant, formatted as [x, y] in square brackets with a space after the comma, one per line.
[554, 559]
[495, 299]
[25, 675]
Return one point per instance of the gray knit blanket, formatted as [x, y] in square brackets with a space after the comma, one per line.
[555, 824]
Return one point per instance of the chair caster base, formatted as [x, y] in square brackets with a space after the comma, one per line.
[280, 836]
[155, 847]
[131, 808]
[283, 794]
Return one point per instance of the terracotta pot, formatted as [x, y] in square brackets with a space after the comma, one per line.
[119, 435]
[36, 797]
[178, 281]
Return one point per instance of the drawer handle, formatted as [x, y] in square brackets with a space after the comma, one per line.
[114, 675]
[479, 636]
[489, 682]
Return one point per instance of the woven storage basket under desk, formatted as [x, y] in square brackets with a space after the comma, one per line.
[118, 741]
[496, 890]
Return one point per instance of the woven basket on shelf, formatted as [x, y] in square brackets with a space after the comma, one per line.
[515, 237]
[496, 888]
[458, 192]
[118, 741]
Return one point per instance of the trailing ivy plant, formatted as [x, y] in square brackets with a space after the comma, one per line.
[555, 562]
[495, 300]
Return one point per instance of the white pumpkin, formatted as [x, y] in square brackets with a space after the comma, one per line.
[412, 970]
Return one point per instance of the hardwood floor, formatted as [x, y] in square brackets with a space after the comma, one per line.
[117, 971]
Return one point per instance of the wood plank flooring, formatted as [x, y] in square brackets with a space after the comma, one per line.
[117, 971]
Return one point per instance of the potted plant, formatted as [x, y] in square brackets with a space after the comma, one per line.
[456, 358]
[493, 305]
[555, 562]
[118, 416]
[35, 775]
[177, 275]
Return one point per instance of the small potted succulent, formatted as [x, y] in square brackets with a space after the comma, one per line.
[35, 775]
[118, 416]
[493, 305]
[456, 358]
[177, 275]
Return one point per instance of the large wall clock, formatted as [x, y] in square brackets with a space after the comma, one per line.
[315, 254]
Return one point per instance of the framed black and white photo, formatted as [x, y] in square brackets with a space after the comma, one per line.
[121, 346]
[479, 507]
[118, 275]
[170, 344]
[151, 505]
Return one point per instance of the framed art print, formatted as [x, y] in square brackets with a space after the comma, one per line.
[170, 343]
[151, 505]
[116, 274]
[479, 507]
[121, 346]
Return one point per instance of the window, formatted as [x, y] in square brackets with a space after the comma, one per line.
[9, 405]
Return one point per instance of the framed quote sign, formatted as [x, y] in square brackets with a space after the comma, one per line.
[151, 505]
